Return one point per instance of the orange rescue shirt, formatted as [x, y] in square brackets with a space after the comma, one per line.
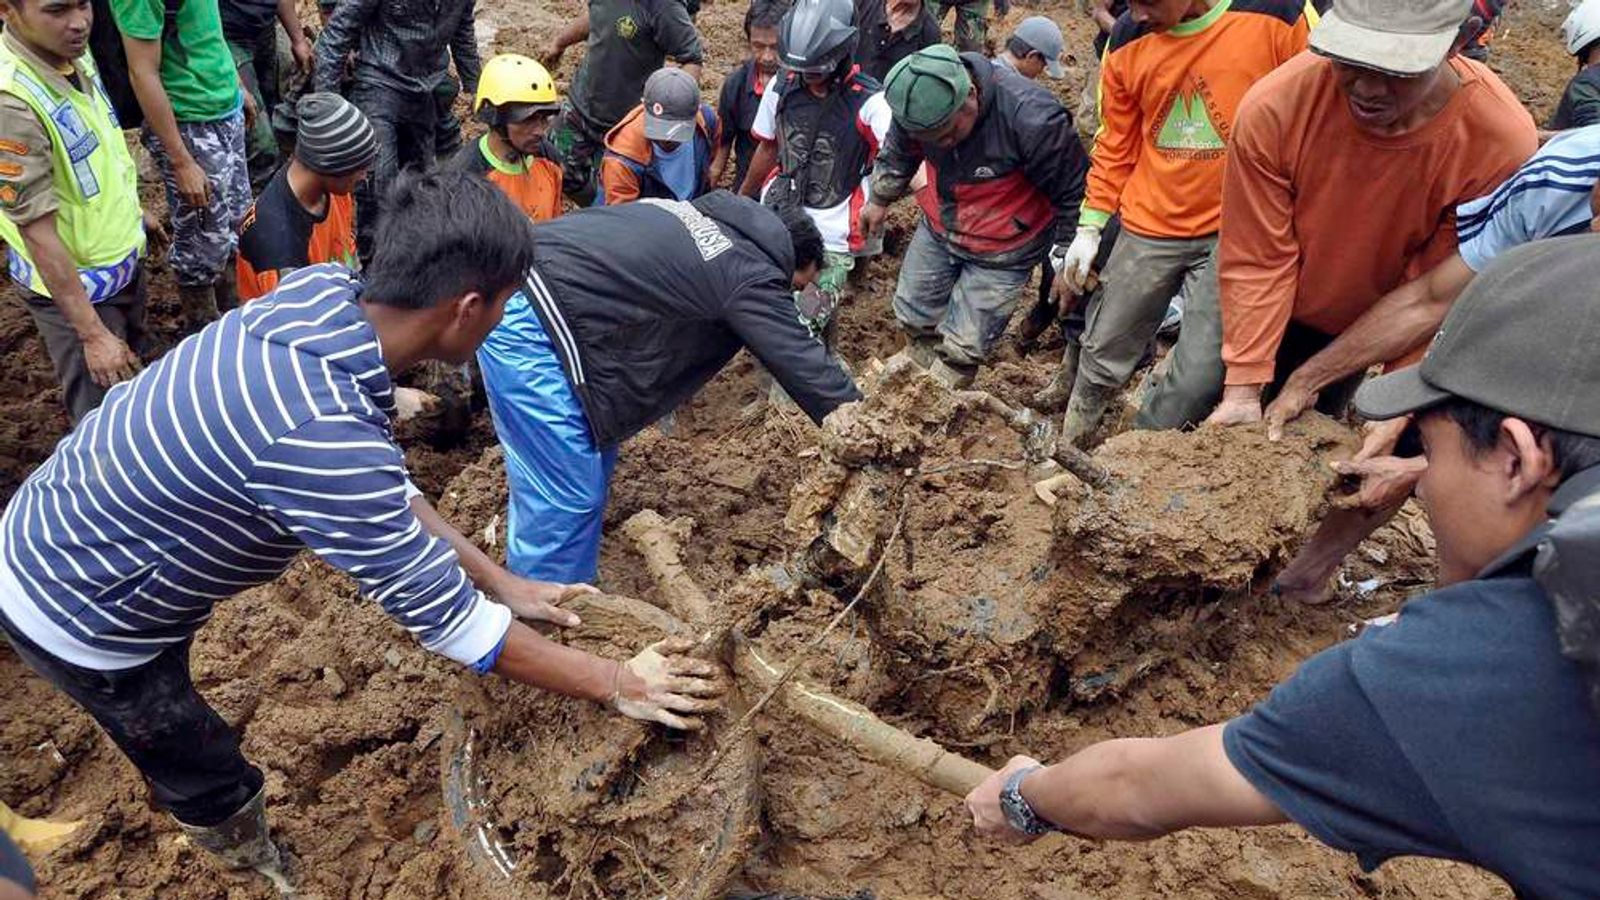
[1167, 105]
[278, 235]
[1323, 218]
[533, 184]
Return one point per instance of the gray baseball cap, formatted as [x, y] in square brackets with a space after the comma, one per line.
[1401, 37]
[671, 103]
[1522, 340]
[1043, 35]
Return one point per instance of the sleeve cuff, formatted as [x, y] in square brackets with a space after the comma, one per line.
[479, 632]
[1475, 260]
[1250, 373]
[411, 490]
[1093, 218]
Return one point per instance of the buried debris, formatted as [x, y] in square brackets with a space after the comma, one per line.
[974, 603]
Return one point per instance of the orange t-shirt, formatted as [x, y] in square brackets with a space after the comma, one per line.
[1322, 218]
[279, 235]
[534, 184]
[1167, 104]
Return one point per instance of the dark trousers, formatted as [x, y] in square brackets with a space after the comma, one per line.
[404, 126]
[123, 314]
[187, 754]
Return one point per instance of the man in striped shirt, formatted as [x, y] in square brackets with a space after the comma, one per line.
[265, 433]
[1551, 195]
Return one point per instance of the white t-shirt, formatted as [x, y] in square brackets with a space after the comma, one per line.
[837, 223]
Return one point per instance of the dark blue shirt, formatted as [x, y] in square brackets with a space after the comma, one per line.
[1459, 731]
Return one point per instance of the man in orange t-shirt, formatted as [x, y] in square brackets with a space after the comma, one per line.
[306, 215]
[1173, 76]
[1342, 182]
[517, 99]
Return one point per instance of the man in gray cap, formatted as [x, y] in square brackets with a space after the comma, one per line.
[1467, 728]
[663, 148]
[306, 214]
[1034, 49]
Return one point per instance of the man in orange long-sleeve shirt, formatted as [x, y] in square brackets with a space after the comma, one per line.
[1342, 182]
[1173, 76]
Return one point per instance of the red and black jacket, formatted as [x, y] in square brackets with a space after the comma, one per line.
[1009, 191]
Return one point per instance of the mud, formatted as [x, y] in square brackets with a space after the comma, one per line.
[349, 720]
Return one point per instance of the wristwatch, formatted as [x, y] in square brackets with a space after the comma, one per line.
[1019, 814]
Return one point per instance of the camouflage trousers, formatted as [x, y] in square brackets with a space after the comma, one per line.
[972, 23]
[204, 238]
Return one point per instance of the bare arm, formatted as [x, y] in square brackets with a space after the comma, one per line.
[719, 165]
[144, 70]
[1132, 790]
[575, 31]
[109, 360]
[761, 165]
[299, 47]
[1138, 789]
[1101, 12]
[1400, 321]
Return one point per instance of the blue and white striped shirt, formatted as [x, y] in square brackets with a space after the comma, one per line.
[207, 473]
[1548, 196]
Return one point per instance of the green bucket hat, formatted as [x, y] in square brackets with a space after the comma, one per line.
[926, 88]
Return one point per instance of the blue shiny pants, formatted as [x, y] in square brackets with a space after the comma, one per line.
[558, 477]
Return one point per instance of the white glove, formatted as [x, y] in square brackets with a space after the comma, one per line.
[1075, 264]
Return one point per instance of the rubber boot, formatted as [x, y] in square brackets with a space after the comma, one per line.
[1058, 392]
[1084, 412]
[199, 303]
[242, 841]
[37, 836]
[924, 351]
[954, 376]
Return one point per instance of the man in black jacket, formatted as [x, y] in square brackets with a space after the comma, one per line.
[1005, 178]
[627, 311]
[403, 52]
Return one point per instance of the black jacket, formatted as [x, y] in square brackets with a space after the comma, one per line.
[403, 45]
[1001, 197]
[646, 302]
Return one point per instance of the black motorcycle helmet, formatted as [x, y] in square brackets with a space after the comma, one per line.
[816, 36]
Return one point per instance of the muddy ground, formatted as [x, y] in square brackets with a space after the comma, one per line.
[346, 717]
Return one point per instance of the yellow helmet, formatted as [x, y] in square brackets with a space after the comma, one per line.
[513, 87]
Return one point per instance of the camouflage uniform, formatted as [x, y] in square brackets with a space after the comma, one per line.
[972, 23]
[204, 239]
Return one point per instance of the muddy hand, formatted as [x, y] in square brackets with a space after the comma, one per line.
[108, 359]
[661, 684]
[1290, 404]
[1382, 482]
[539, 601]
[988, 819]
[1240, 405]
[409, 403]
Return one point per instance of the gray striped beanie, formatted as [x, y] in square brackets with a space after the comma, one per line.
[332, 137]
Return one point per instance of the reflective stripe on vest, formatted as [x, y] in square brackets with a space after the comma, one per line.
[98, 215]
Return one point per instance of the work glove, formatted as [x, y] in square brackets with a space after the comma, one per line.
[672, 684]
[1075, 263]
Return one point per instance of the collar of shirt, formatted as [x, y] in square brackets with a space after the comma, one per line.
[58, 80]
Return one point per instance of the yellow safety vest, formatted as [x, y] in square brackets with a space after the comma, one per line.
[96, 184]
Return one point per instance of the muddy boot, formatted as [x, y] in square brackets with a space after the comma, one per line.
[1084, 412]
[1058, 392]
[242, 841]
[199, 305]
[924, 351]
[954, 376]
